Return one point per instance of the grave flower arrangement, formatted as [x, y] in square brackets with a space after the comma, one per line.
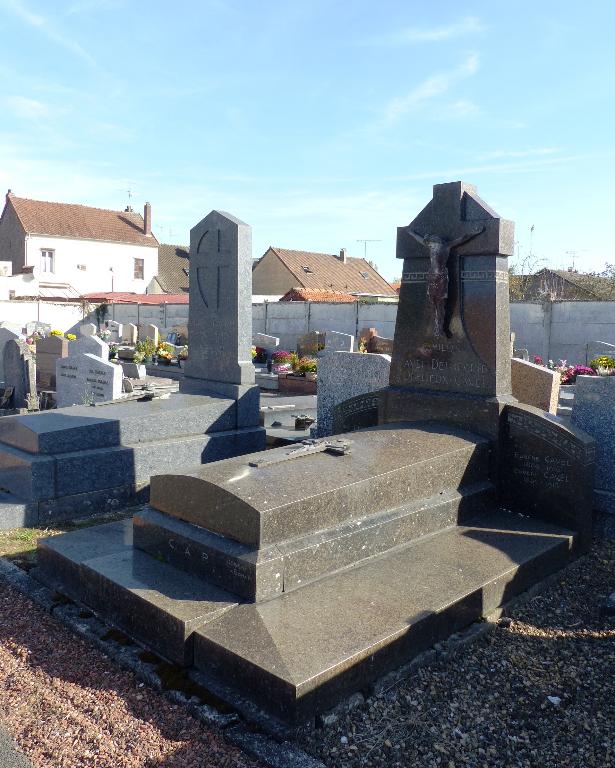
[254, 352]
[104, 334]
[71, 336]
[281, 360]
[603, 365]
[112, 351]
[144, 350]
[305, 366]
[55, 332]
[164, 353]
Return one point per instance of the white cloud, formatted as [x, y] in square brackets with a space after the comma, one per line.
[28, 109]
[520, 153]
[43, 24]
[433, 86]
[411, 35]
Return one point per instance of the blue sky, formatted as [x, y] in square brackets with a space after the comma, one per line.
[318, 123]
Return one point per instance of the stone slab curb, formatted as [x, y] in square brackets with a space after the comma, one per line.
[258, 745]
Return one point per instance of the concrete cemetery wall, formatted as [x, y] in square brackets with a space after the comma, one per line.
[61, 316]
[562, 330]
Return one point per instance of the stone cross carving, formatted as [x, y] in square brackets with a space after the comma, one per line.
[437, 276]
[452, 330]
[209, 277]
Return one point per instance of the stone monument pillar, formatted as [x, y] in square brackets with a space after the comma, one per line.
[451, 354]
[220, 323]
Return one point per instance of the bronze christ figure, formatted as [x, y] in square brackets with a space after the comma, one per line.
[437, 276]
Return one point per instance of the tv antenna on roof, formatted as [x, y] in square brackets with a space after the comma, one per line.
[365, 242]
[574, 254]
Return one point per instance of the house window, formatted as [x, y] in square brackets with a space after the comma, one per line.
[365, 275]
[309, 270]
[187, 271]
[47, 259]
[139, 269]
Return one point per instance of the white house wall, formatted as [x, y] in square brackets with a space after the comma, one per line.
[99, 258]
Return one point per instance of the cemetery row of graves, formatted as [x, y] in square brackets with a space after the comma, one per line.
[439, 482]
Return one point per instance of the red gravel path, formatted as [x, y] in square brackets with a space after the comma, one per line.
[68, 706]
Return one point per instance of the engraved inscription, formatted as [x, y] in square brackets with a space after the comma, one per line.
[499, 275]
[434, 371]
[552, 435]
[543, 471]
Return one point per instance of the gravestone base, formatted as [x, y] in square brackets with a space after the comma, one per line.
[80, 461]
[480, 414]
[246, 396]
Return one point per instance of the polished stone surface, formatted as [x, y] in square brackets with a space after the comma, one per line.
[388, 466]
[593, 410]
[220, 326]
[306, 649]
[472, 355]
[260, 574]
[151, 600]
[547, 469]
[535, 385]
[343, 375]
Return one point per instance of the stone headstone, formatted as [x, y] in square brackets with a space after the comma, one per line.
[20, 372]
[87, 329]
[380, 345]
[133, 370]
[116, 331]
[130, 333]
[452, 333]
[521, 354]
[338, 342]
[150, 331]
[593, 410]
[596, 349]
[535, 385]
[310, 344]
[220, 324]
[265, 341]
[89, 345]
[49, 350]
[344, 375]
[6, 335]
[84, 378]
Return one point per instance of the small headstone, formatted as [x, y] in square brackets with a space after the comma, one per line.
[20, 372]
[344, 375]
[5, 335]
[87, 329]
[521, 354]
[133, 370]
[149, 331]
[130, 333]
[380, 345]
[265, 341]
[338, 342]
[84, 379]
[535, 385]
[127, 385]
[49, 350]
[309, 344]
[115, 330]
[89, 345]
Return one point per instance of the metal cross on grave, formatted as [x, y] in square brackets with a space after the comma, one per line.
[210, 275]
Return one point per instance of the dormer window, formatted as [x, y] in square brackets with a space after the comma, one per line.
[365, 275]
[308, 270]
[186, 271]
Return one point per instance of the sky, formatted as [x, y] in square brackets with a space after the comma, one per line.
[319, 123]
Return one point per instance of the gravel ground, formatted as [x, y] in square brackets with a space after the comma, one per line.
[538, 691]
[68, 706]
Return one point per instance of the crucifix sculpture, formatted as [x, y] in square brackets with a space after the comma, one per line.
[437, 275]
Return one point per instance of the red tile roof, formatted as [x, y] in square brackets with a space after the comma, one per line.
[39, 217]
[139, 298]
[327, 271]
[318, 294]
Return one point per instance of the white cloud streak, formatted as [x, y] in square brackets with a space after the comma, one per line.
[22, 12]
[433, 86]
[469, 25]
[28, 109]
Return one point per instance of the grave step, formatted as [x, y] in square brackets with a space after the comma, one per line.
[290, 497]
[261, 574]
[150, 600]
[305, 650]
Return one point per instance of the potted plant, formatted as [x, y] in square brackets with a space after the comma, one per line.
[307, 366]
[113, 352]
[164, 353]
[144, 351]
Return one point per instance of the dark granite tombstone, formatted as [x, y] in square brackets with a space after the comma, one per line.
[379, 345]
[20, 373]
[451, 354]
[220, 326]
[309, 344]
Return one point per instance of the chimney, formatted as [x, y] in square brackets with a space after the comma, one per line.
[342, 257]
[9, 194]
[147, 219]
